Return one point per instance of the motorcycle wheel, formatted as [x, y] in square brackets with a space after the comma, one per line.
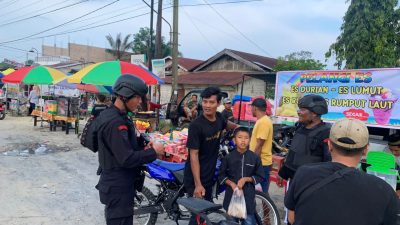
[266, 211]
[2, 115]
[145, 198]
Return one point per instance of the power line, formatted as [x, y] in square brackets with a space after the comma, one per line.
[60, 25]
[236, 29]
[98, 21]
[26, 6]
[12, 2]
[201, 33]
[10, 48]
[113, 13]
[34, 11]
[220, 3]
[101, 25]
[41, 14]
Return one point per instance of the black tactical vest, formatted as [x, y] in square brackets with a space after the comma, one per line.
[107, 118]
[307, 147]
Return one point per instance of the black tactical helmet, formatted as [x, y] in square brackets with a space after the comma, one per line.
[314, 103]
[128, 86]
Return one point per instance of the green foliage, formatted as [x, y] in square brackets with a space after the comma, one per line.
[369, 36]
[118, 45]
[298, 61]
[141, 41]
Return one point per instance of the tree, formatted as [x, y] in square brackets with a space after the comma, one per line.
[118, 46]
[298, 61]
[141, 41]
[369, 36]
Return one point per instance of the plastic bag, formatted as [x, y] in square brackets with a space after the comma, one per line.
[237, 206]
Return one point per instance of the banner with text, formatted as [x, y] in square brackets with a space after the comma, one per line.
[367, 95]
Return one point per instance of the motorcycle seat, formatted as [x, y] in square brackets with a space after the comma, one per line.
[197, 205]
[169, 165]
[179, 175]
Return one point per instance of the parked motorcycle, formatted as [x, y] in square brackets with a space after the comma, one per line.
[169, 177]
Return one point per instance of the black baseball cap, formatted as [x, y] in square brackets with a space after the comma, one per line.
[259, 103]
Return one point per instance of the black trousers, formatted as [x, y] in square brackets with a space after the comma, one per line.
[120, 221]
[118, 203]
[31, 108]
[208, 196]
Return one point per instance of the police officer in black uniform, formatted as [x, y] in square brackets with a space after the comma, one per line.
[309, 144]
[120, 156]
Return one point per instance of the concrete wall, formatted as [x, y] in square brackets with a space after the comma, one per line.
[252, 87]
[89, 53]
[78, 52]
[54, 51]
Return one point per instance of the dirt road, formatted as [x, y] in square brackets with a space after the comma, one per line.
[47, 178]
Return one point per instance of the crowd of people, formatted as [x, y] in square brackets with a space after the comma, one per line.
[324, 186]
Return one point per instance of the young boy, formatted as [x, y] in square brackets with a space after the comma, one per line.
[242, 169]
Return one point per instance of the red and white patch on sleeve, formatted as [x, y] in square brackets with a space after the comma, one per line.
[122, 127]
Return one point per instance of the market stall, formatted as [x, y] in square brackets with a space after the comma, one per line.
[51, 109]
[104, 75]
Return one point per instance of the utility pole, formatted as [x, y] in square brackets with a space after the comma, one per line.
[172, 112]
[150, 51]
[158, 54]
[174, 96]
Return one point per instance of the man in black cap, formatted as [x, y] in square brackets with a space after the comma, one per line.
[261, 138]
[309, 144]
[227, 112]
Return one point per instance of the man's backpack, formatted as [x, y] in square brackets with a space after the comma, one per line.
[89, 135]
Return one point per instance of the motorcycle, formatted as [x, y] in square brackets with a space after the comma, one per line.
[2, 111]
[282, 139]
[169, 178]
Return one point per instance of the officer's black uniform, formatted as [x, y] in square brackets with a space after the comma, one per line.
[120, 158]
[308, 146]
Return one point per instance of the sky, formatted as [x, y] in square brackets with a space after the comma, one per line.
[270, 28]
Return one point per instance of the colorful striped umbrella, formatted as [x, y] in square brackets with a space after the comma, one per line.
[95, 89]
[8, 71]
[106, 73]
[35, 75]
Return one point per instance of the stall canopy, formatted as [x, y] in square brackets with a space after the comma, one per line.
[106, 73]
[35, 75]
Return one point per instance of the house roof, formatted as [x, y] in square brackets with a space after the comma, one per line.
[188, 64]
[214, 78]
[257, 59]
[258, 62]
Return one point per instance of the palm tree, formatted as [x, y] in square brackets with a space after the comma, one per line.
[119, 46]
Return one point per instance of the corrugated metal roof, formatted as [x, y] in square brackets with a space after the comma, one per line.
[188, 63]
[257, 59]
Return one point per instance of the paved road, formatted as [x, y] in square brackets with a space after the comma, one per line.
[56, 187]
